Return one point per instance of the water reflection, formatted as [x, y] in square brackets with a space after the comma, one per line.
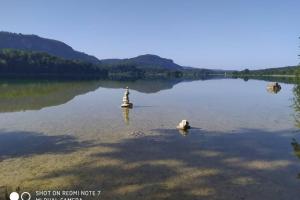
[246, 79]
[35, 95]
[243, 145]
[296, 147]
[125, 112]
[150, 85]
[296, 104]
[273, 90]
[25, 95]
[283, 79]
[141, 85]
[273, 87]
[183, 132]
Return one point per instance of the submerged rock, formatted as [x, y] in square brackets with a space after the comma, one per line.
[137, 133]
[183, 125]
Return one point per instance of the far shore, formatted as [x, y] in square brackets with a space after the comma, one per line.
[265, 75]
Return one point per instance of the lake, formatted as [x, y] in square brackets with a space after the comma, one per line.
[244, 142]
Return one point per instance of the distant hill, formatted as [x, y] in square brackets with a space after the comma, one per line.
[35, 43]
[111, 61]
[34, 55]
[147, 61]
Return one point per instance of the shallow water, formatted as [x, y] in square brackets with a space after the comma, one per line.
[73, 134]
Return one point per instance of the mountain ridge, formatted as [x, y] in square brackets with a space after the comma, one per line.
[145, 61]
[35, 43]
[53, 47]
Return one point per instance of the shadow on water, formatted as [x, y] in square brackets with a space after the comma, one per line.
[25, 144]
[253, 164]
[245, 164]
[22, 144]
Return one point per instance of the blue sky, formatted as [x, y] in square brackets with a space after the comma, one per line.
[228, 34]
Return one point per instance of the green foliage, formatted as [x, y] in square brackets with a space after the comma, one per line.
[35, 43]
[296, 104]
[246, 71]
[296, 147]
[24, 63]
[284, 71]
[147, 61]
[151, 66]
[35, 63]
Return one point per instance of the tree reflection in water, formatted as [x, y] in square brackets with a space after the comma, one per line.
[296, 104]
[296, 147]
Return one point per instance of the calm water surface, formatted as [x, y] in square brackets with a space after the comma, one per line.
[73, 134]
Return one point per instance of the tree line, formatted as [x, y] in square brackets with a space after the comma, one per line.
[20, 62]
[35, 63]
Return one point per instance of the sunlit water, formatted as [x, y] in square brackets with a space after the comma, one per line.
[75, 135]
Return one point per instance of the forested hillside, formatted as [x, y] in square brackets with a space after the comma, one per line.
[37, 63]
[35, 43]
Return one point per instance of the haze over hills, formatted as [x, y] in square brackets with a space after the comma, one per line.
[35, 43]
